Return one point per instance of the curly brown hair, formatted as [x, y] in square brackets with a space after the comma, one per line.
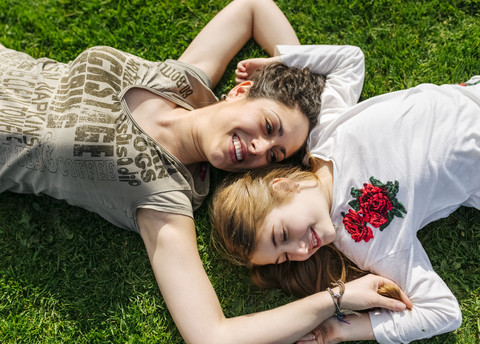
[294, 87]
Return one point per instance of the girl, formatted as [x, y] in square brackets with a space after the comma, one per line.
[380, 171]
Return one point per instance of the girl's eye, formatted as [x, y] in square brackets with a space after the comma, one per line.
[269, 127]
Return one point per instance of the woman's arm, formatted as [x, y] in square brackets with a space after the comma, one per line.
[171, 245]
[222, 38]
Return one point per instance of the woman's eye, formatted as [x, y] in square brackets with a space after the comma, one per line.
[269, 127]
[273, 156]
[284, 235]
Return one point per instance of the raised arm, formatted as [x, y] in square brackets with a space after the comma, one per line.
[171, 245]
[223, 37]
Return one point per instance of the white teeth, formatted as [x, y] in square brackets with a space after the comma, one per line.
[315, 241]
[238, 148]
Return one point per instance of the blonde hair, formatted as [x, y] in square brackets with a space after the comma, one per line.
[240, 205]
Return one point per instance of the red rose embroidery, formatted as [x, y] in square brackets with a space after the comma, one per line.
[376, 205]
[355, 225]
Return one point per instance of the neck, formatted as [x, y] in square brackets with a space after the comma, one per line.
[183, 139]
[325, 176]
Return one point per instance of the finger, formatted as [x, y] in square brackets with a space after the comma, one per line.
[388, 288]
[241, 66]
[391, 304]
[308, 336]
[239, 80]
[240, 74]
[406, 300]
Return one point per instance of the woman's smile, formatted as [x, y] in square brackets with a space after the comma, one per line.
[238, 150]
[243, 134]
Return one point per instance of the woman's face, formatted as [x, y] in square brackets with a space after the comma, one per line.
[296, 229]
[247, 134]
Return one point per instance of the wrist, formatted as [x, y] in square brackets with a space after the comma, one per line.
[336, 293]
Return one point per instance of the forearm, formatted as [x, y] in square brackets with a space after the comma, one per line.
[223, 37]
[270, 27]
[191, 299]
[359, 328]
[435, 309]
[198, 315]
[285, 324]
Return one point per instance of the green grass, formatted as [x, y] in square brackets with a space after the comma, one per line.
[66, 276]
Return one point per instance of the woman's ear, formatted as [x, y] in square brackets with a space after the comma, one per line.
[284, 185]
[241, 90]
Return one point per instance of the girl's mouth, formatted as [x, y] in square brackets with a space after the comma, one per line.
[316, 240]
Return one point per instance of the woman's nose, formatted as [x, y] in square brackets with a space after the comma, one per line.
[259, 146]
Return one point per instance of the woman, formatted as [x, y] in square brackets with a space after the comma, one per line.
[128, 139]
[381, 170]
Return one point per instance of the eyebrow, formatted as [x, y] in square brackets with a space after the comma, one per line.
[280, 127]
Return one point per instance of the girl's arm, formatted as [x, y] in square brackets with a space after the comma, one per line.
[435, 309]
[171, 245]
[342, 65]
[222, 38]
[333, 331]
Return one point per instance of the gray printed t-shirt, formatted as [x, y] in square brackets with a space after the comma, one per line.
[65, 131]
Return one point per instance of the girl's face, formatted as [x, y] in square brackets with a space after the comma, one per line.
[247, 134]
[296, 229]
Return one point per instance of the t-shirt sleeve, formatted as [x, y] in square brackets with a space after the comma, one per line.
[435, 309]
[184, 84]
[342, 65]
[172, 202]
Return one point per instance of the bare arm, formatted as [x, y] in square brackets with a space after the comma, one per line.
[223, 37]
[171, 245]
[333, 331]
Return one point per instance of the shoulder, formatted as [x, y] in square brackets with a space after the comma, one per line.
[161, 230]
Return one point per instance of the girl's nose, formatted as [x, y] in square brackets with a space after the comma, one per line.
[299, 252]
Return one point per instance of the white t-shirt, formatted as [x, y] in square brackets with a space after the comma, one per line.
[401, 161]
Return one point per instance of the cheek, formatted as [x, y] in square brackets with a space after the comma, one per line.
[298, 227]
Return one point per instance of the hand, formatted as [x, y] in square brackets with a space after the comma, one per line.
[246, 68]
[362, 293]
[327, 333]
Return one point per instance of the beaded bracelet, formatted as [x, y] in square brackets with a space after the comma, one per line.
[336, 298]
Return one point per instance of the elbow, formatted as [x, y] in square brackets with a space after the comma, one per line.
[450, 316]
[356, 52]
[455, 317]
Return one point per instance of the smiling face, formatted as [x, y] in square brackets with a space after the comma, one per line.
[296, 229]
[246, 134]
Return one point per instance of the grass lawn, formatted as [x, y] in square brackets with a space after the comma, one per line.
[67, 276]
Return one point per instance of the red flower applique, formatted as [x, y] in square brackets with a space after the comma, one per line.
[356, 226]
[376, 204]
